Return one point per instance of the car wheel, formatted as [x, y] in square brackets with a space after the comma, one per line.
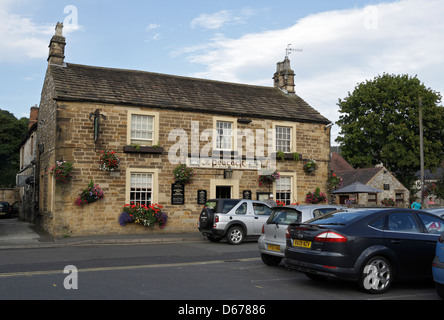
[235, 235]
[376, 275]
[440, 289]
[270, 260]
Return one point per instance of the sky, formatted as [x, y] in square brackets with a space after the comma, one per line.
[343, 43]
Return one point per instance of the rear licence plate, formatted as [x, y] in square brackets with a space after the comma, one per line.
[302, 244]
[273, 247]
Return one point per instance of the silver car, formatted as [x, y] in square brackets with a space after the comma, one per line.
[233, 219]
[272, 242]
[439, 211]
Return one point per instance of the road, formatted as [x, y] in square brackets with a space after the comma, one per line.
[195, 270]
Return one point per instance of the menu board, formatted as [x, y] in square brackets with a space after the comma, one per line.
[201, 196]
[177, 193]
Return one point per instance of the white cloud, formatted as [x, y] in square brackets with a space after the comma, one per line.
[340, 49]
[22, 38]
[221, 18]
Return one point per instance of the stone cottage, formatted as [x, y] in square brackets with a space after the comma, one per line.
[377, 177]
[230, 134]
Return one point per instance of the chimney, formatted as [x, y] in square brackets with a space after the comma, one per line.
[284, 77]
[57, 46]
[33, 116]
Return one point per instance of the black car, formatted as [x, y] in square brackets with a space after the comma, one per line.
[5, 209]
[370, 246]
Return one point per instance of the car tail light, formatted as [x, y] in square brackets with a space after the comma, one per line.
[216, 218]
[263, 229]
[330, 236]
[287, 234]
[441, 238]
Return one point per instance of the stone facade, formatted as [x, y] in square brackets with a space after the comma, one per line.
[66, 132]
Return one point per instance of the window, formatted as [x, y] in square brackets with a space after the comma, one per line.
[261, 209]
[242, 209]
[283, 190]
[402, 222]
[372, 198]
[143, 128]
[141, 188]
[433, 224]
[224, 135]
[283, 139]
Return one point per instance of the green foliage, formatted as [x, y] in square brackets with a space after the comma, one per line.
[12, 132]
[380, 124]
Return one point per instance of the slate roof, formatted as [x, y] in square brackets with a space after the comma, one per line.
[358, 175]
[82, 83]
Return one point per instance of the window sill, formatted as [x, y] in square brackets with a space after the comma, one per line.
[142, 149]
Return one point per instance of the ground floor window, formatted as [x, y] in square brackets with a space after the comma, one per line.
[284, 190]
[141, 186]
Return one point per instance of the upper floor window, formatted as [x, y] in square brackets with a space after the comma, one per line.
[143, 128]
[283, 139]
[224, 139]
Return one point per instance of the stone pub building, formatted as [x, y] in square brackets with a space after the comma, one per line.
[228, 133]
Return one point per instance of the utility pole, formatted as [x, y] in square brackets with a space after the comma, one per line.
[421, 151]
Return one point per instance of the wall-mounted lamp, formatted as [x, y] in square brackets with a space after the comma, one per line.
[228, 173]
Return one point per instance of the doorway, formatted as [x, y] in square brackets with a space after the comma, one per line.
[223, 192]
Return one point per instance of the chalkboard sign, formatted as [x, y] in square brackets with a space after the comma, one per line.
[246, 194]
[201, 196]
[177, 193]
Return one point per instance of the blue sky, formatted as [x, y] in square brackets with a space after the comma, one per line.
[343, 42]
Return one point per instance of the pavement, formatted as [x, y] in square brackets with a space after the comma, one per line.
[16, 234]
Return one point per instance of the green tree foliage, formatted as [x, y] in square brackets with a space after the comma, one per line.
[380, 124]
[12, 132]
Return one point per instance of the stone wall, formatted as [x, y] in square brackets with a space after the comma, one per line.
[71, 139]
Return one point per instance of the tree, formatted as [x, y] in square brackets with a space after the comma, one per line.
[12, 132]
[380, 124]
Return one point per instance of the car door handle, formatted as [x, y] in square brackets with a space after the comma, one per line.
[256, 217]
[396, 241]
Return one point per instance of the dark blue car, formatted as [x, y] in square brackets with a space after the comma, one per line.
[370, 246]
[438, 266]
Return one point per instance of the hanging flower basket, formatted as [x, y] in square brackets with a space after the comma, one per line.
[62, 171]
[269, 178]
[310, 165]
[109, 161]
[90, 195]
[183, 174]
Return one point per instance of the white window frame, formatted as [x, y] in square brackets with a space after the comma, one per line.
[154, 183]
[233, 140]
[155, 132]
[292, 127]
[293, 186]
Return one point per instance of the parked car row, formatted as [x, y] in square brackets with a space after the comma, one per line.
[371, 246]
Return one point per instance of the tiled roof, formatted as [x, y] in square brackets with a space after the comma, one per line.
[138, 88]
[338, 163]
[358, 175]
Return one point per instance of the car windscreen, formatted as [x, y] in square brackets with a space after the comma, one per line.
[282, 215]
[338, 217]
